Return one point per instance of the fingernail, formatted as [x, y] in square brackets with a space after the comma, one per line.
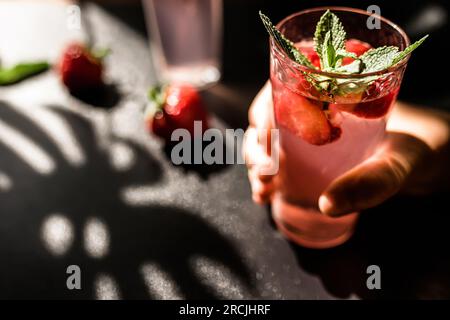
[325, 205]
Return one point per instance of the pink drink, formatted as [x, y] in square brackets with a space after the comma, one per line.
[322, 137]
[185, 39]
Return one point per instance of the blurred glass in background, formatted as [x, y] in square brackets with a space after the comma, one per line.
[185, 39]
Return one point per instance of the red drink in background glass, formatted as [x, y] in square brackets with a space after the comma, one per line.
[323, 136]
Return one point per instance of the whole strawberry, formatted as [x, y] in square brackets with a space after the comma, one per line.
[80, 69]
[172, 107]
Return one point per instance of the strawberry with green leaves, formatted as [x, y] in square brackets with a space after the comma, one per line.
[172, 107]
[81, 69]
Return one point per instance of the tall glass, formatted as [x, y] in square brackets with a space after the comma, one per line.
[356, 125]
[185, 39]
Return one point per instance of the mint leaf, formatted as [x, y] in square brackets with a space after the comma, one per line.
[378, 59]
[354, 67]
[330, 24]
[328, 53]
[344, 54]
[341, 54]
[384, 57]
[21, 71]
[401, 55]
[287, 45]
[329, 42]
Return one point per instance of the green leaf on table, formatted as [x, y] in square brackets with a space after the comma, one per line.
[21, 71]
[287, 45]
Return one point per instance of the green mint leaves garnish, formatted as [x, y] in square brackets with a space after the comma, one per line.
[329, 44]
[384, 57]
[401, 55]
[328, 53]
[21, 71]
[329, 41]
[287, 45]
[378, 59]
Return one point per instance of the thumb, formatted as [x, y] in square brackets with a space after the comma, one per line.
[376, 179]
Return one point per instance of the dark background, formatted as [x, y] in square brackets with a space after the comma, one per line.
[246, 55]
[425, 78]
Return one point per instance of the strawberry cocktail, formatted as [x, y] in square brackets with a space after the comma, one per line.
[334, 81]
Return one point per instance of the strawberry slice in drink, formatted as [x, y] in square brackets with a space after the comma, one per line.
[306, 118]
[352, 45]
[307, 49]
[371, 109]
[376, 108]
[303, 117]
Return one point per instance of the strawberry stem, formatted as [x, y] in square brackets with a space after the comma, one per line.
[101, 53]
[156, 94]
[157, 98]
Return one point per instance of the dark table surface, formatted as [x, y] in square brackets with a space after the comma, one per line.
[82, 183]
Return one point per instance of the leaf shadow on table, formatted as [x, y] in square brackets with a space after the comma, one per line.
[203, 170]
[77, 215]
[230, 102]
[407, 237]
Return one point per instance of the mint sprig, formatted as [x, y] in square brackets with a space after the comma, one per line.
[328, 53]
[329, 44]
[287, 45]
[329, 39]
[401, 55]
[378, 59]
[384, 57]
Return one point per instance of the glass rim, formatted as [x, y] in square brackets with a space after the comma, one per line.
[394, 68]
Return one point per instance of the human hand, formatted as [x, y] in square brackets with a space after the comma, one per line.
[413, 158]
